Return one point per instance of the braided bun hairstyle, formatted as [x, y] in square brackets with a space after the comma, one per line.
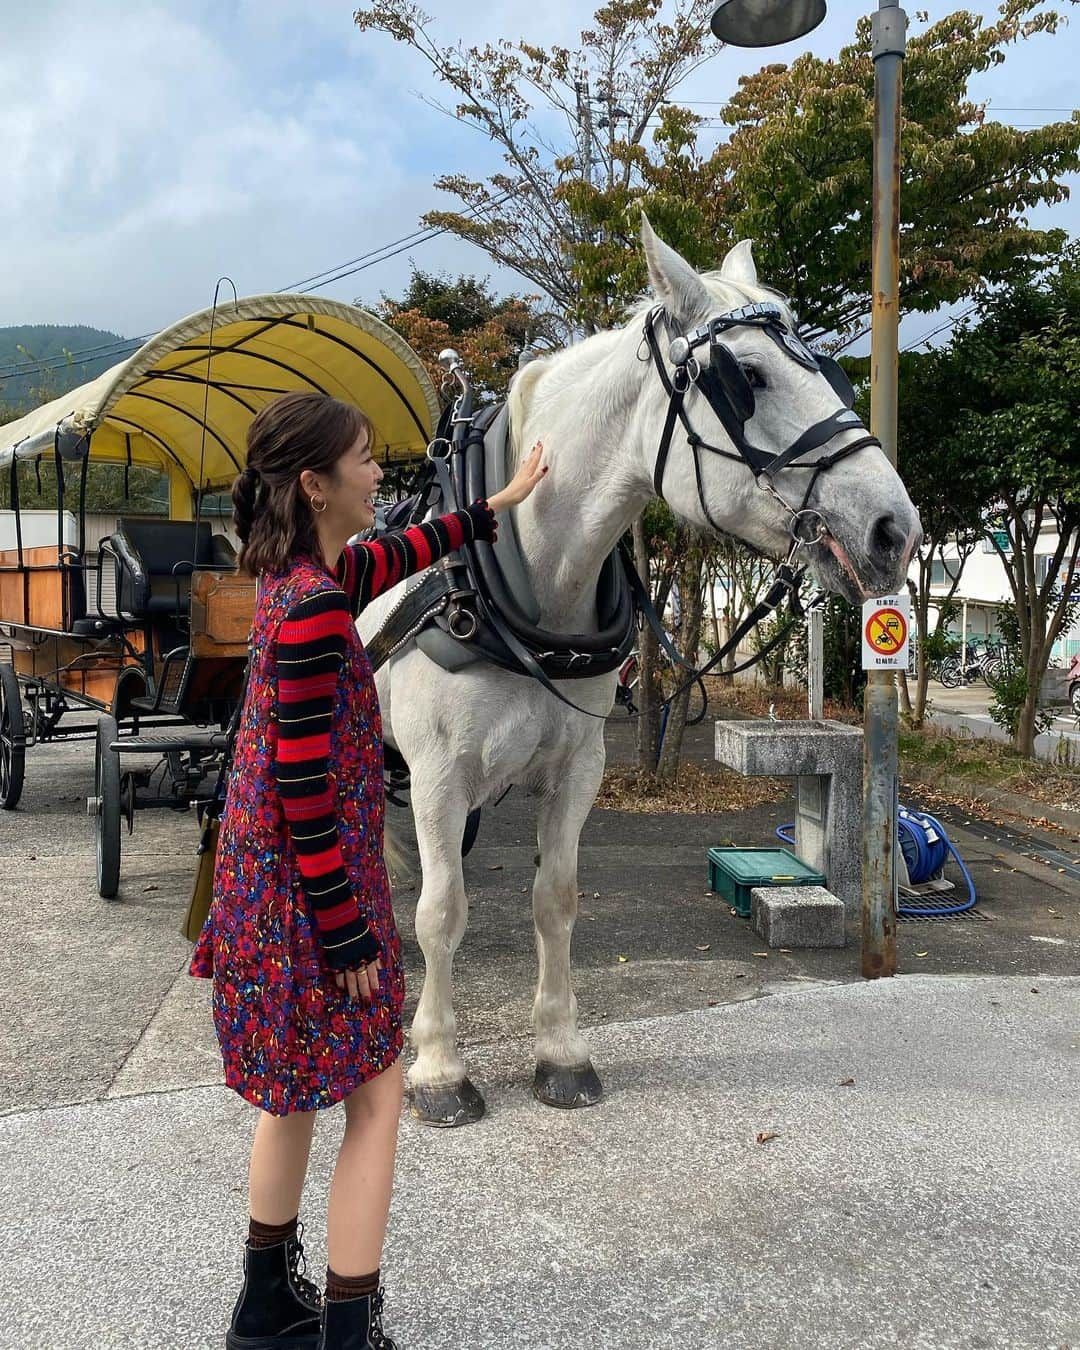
[246, 490]
[295, 432]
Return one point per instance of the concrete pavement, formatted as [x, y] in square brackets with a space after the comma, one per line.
[933, 1202]
[916, 1183]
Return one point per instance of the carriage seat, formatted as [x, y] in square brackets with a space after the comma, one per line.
[156, 559]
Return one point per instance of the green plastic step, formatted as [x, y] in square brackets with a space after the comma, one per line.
[734, 872]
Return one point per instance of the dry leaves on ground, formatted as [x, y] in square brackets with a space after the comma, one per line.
[698, 790]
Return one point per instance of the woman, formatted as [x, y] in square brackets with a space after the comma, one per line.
[301, 942]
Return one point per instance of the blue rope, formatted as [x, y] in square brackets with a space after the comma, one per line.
[926, 848]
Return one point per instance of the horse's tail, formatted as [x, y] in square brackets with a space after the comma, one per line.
[398, 861]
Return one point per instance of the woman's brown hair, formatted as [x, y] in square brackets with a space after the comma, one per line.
[271, 513]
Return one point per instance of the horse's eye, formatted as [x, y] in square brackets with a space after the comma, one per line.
[754, 377]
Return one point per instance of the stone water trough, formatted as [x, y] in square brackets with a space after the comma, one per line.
[825, 757]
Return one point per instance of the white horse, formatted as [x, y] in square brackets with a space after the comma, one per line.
[599, 409]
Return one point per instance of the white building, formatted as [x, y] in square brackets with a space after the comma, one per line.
[984, 585]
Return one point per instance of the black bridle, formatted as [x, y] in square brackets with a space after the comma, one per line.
[728, 392]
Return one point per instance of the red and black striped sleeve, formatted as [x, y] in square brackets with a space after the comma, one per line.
[311, 648]
[366, 570]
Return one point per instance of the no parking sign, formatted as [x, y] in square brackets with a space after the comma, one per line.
[886, 625]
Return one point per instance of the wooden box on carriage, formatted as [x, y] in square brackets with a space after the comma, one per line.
[222, 608]
[41, 588]
[35, 590]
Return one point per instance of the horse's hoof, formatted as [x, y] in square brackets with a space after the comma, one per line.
[568, 1088]
[447, 1106]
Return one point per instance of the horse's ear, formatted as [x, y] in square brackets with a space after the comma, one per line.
[739, 266]
[674, 282]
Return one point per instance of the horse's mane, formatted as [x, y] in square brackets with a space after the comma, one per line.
[727, 294]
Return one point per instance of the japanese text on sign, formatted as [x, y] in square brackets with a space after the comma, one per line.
[886, 624]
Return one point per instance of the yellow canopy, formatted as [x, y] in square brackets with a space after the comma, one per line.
[151, 405]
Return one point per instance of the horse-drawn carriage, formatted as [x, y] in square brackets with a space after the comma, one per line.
[135, 634]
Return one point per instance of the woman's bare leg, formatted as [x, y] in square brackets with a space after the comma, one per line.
[364, 1175]
[279, 1159]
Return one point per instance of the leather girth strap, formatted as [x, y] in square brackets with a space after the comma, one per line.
[560, 656]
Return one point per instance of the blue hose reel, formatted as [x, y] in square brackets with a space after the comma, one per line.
[926, 848]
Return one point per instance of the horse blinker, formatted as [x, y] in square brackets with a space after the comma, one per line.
[837, 377]
[728, 378]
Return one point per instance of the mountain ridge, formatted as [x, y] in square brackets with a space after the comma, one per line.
[26, 348]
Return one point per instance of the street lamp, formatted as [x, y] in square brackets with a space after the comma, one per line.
[760, 23]
[765, 23]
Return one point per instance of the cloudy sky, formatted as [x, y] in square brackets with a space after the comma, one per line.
[149, 147]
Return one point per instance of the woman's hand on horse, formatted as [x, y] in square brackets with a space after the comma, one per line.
[360, 984]
[528, 475]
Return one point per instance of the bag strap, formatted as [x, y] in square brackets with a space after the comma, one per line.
[216, 804]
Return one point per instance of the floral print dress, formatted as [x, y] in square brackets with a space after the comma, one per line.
[290, 1039]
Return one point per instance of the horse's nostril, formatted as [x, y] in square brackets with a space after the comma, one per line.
[886, 536]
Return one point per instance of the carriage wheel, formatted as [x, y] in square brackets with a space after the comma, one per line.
[107, 820]
[12, 740]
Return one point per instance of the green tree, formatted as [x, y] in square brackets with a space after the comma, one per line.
[794, 175]
[558, 116]
[488, 332]
[462, 304]
[1016, 400]
[141, 491]
[947, 482]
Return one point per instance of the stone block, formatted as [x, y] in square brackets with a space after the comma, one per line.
[1054, 688]
[797, 916]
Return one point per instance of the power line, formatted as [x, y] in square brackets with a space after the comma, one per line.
[125, 346]
[382, 254]
[102, 346]
[949, 323]
[1001, 107]
[417, 236]
[61, 361]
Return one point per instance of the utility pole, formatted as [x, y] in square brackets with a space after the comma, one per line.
[880, 772]
[585, 126]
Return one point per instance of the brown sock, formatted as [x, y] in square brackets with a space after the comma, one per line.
[342, 1287]
[269, 1234]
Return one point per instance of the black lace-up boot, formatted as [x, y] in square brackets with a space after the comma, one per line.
[278, 1309]
[355, 1324]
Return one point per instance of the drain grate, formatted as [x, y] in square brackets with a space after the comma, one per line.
[975, 915]
[1059, 861]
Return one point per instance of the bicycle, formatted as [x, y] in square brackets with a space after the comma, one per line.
[984, 662]
[630, 678]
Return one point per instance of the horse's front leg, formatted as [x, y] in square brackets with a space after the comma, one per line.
[441, 1092]
[564, 1072]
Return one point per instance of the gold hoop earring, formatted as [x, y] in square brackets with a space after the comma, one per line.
[314, 503]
